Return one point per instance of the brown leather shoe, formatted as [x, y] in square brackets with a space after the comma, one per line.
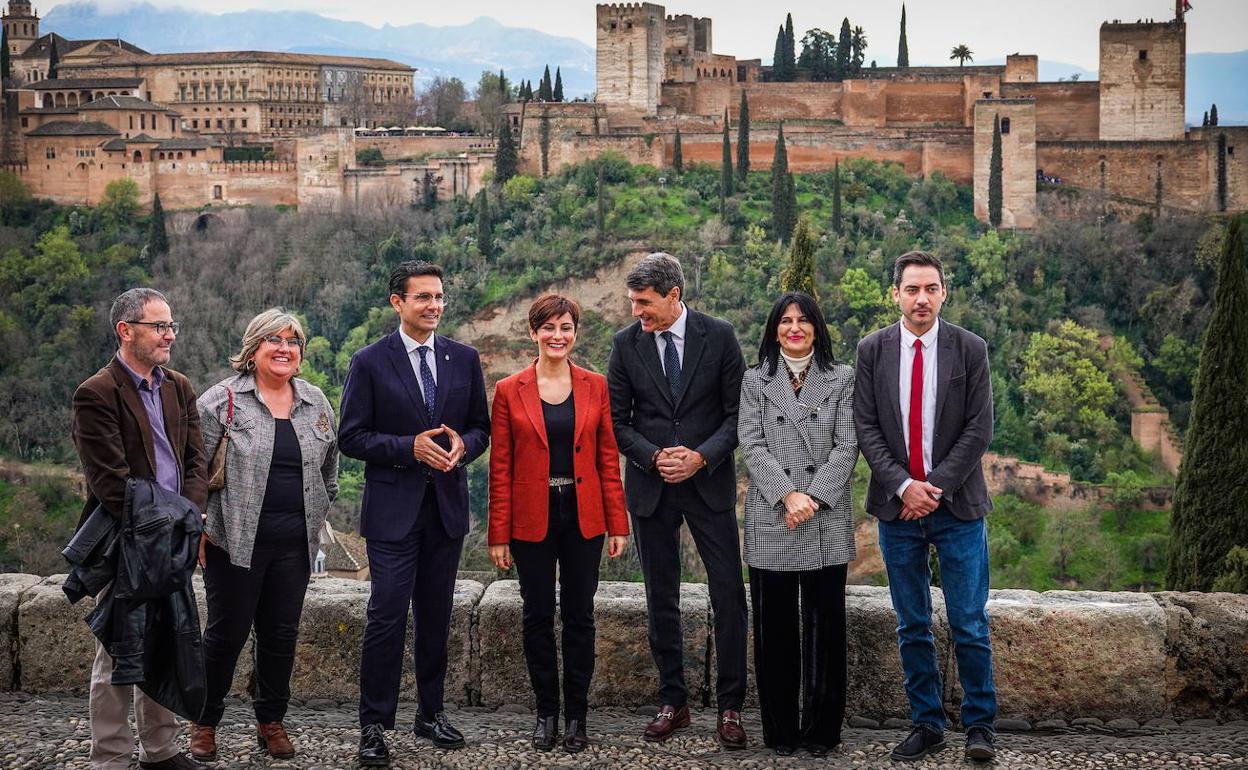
[731, 731]
[667, 721]
[204, 742]
[273, 739]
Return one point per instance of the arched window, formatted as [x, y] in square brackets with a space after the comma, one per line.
[60, 100]
[1005, 126]
[138, 156]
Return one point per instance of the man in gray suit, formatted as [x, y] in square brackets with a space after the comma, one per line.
[923, 410]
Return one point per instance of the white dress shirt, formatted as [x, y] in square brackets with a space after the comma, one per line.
[904, 375]
[678, 337]
[413, 357]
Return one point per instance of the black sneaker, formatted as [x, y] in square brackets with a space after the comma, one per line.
[923, 740]
[979, 744]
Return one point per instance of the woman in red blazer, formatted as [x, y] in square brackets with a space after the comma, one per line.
[555, 494]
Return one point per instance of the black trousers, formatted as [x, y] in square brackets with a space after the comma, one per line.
[719, 546]
[417, 572]
[577, 560]
[268, 596]
[800, 661]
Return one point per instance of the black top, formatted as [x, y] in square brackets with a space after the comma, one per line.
[281, 513]
[560, 425]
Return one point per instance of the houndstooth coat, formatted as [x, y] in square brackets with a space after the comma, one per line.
[798, 441]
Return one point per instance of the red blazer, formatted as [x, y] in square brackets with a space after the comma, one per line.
[520, 460]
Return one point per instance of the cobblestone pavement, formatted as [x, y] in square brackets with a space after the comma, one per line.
[52, 732]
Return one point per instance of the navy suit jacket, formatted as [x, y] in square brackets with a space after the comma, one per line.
[382, 411]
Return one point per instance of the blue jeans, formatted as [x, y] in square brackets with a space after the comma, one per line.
[962, 547]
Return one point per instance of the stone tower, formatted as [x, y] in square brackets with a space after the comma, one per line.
[630, 55]
[1142, 80]
[21, 25]
[1018, 160]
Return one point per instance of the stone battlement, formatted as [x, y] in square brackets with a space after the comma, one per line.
[1058, 655]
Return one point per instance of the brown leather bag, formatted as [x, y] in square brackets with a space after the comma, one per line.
[216, 467]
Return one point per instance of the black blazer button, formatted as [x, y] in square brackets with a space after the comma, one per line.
[580, 479]
[578, 449]
[787, 472]
[810, 469]
[780, 418]
[676, 423]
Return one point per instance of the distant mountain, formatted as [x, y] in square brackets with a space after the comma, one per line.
[461, 51]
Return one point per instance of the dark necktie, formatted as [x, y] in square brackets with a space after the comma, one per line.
[917, 471]
[671, 364]
[426, 382]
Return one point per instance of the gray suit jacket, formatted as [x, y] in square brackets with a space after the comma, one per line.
[798, 442]
[963, 421]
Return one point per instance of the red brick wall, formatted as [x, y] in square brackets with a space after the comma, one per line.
[1064, 111]
[1131, 169]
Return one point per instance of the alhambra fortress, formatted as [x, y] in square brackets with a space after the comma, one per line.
[165, 120]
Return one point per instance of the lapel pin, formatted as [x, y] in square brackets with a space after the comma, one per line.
[448, 356]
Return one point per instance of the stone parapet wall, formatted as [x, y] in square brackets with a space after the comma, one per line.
[1058, 655]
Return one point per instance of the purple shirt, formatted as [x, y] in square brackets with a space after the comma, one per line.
[168, 473]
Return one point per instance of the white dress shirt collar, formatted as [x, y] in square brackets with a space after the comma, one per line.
[678, 326]
[410, 344]
[929, 337]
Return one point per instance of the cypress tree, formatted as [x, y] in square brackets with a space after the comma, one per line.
[725, 169]
[743, 140]
[777, 58]
[790, 205]
[54, 61]
[1208, 518]
[790, 48]
[1221, 172]
[543, 142]
[505, 161]
[994, 175]
[1213, 115]
[157, 238]
[678, 162]
[799, 274]
[6, 67]
[844, 50]
[485, 226]
[504, 90]
[544, 91]
[557, 93]
[903, 49]
[1205, 120]
[838, 223]
[782, 214]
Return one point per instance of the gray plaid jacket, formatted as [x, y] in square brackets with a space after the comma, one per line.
[801, 442]
[234, 512]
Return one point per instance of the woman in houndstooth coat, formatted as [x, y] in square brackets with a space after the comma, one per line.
[796, 428]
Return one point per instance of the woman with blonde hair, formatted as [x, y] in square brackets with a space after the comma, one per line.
[263, 523]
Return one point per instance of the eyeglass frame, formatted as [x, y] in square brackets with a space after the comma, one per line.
[170, 326]
[285, 342]
[442, 300]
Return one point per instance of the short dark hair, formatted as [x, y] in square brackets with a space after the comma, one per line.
[769, 347]
[659, 271]
[130, 304]
[410, 269]
[916, 258]
[550, 306]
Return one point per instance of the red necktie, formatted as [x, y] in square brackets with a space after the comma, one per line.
[916, 415]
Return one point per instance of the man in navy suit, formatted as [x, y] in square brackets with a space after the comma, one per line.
[414, 410]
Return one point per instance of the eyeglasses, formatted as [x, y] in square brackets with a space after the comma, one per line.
[424, 298]
[161, 327]
[277, 342]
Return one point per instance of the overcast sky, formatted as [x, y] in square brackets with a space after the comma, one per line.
[1057, 30]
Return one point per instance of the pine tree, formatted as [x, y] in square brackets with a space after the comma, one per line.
[157, 238]
[6, 67]
[54, 61]
[505, 161]
[485, 226]
[790, 48]
[799, 274]
[903, 49]
[743, 141]
[994, 175]
[777, 59]
[678, 162]
[844, 50]
[557, 93]
[545, 93]
[782, 213]
[725, 169]
[838, 223]
[1213, 115]
[1209, 497]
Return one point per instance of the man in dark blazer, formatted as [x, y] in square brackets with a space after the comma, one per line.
[136, 419]
[414, 410]
[675, 383]
[923, 411]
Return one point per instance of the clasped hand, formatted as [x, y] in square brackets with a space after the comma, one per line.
[799, 508]
[677, 463]
[428, 452]
[919, 499]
